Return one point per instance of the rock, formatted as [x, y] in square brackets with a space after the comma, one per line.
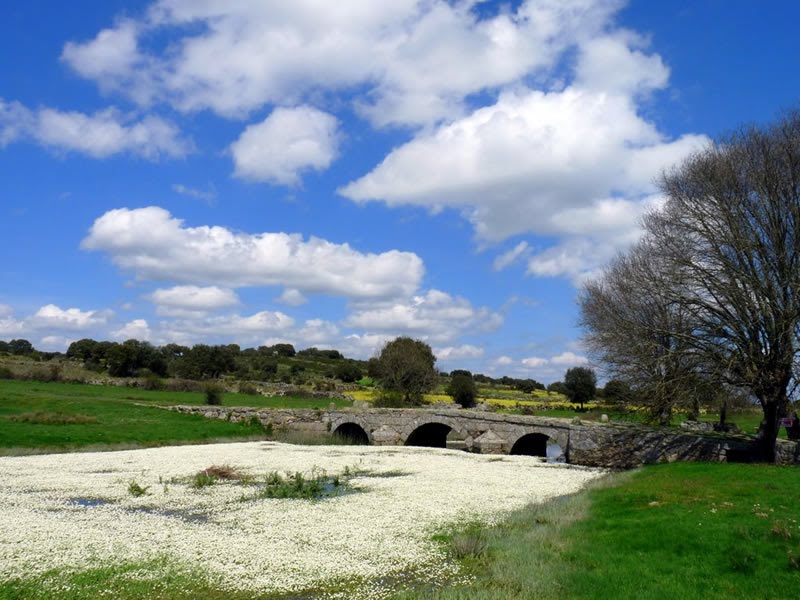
[361, 404]
[604, 418]
[697, 426]
[489, 443]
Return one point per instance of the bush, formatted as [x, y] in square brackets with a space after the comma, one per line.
[6, 373]
[248, 388]
[462, 389]
[347, 372]
[150, 381]
[213, 394]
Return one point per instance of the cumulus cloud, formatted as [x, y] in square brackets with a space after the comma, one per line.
[318, 332]
[137, 329]
[157, 246]
[565, 163]
[416, 60]
[188, 300]
[288, 142]
[50, 319]
[458, 352]
[51, 316]
[435, 316]
[503, 361]
[569, 359]
[291, 297]
[230, 328]
[99, 135]
[535, 361]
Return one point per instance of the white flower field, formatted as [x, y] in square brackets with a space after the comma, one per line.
[75, 511]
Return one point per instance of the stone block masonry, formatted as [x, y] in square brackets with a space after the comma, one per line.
[608, 445]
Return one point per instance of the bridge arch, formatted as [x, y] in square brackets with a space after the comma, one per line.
[434, 433]
[531, 444]
[353, 429]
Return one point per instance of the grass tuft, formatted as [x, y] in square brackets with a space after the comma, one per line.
[136, 490]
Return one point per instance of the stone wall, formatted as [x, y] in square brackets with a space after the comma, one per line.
[609, 445]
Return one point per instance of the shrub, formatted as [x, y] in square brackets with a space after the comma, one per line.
[347, 372]
[213, 394]
[136, 490]
[150, 381]
[471, 543]
[6, 373]
[248, 388]
[462, 389]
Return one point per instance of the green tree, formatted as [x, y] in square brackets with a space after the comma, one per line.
[581, 384]
[462, 389]
[83, 349]
[20, 347]
[406, 368]
[347, 372]
[617, 391]
[557, 387]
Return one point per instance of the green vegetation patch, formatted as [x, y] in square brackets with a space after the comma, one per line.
[57, 416]
[687, 530]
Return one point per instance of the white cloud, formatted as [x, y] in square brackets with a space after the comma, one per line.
[157, 246]
[137, 329]
[15, 121]
[569, 359]
[458, 352]
[535, 361]
[363, 345]
[288, 142]
[231, 328]
[291, 297]
[11, 327]
[99, 135]
[503, 361]
[191, 300]
[51, 316]
[53, 343]
[112, 58]
[185, 190]
[416, 60]
[617, 63]
[435, 316]
[508, 258]
[318, 332]
[572, 163]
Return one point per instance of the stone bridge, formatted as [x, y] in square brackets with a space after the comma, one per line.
[612, 445]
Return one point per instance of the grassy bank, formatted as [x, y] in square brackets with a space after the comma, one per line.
[689, 530]
[61, 416]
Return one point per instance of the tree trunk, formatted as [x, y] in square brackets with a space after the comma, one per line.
[768, 431]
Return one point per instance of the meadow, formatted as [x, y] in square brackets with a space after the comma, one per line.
[490, 527]
[62, 416]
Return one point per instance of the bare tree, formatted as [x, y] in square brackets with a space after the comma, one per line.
[728, 247]
[638, 334]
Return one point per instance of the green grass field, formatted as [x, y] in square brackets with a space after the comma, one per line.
[687, 530]
[61, 416]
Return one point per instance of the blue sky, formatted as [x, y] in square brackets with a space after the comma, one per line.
[339, 173]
